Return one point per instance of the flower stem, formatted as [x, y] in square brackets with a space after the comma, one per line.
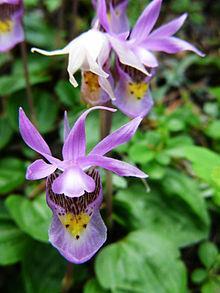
[30, 99]
[68, 278]
[105, 127]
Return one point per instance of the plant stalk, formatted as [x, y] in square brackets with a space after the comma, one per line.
[68, 278]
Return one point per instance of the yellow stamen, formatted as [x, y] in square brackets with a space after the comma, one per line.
[91, 80]
[75, 224]
[138, 89]
[6, 26]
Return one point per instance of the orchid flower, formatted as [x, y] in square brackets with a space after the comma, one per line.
[88, 52]
[137, 50]
[73, 180]
[77, 229]
[133, 96]
[11, 31]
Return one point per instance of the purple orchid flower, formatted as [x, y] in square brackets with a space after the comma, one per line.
[74, 181]
[11, 30]
[77, 229]
[136, 51]
[133, 96]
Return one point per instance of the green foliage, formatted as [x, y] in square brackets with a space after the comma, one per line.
[13, 243]
[142, 262]
[31, 216]
[12, 173]
[48, 270]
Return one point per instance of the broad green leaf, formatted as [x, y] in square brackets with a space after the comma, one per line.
[46, 112]
[213, 129]
[199, 276]
[92, 286]
[140, 153]
[177, 184]
[157, 211]
[5, 132]
[67, 94]
[208, 253]
[12, 174]
[142, 262]
[13, 243]
[32, 216]
[212, 286]
[43, 269]
[204, 162]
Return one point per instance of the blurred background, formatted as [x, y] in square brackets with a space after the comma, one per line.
[165, 239]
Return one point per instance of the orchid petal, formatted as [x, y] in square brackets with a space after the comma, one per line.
[169, 29]
[102, 14]
[66, 126]
[81, 250]
[39, 169]
[146, 57]
[95, 67]
[75, 144]
[63, 51]
[106, 86]
[73, 182]
[118, 167]
[146, 21]
[76, 58]
[126, 55]
[118, 137]
[171, 45]
[31, 136]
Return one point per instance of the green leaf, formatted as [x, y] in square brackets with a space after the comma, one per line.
[208, 254]
[139, 153]
[92, 286]
[13, 243]
[139, 263]
[213, 129]
[211, 286]
[199, 276]
[119, 182]
[156, 211]
[43, 269]
[12, 174]
[32, 216]
[204, 162]
[5, 132]
[67, 94]
[178, 184]
[46, 112]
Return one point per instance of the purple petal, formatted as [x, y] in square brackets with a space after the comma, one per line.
[75, 144]
[66, 126]
[77, 229]
[9, 39]
[73, 182]
[170, 45]
[118, 167]
[102, 14]
[81, 250]
[169, 29]
[146, 21]
[119, 20]
[39, 169]
[129, 104]
[118, 137]
[126, 55]
[31, 136]
[146, 57]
